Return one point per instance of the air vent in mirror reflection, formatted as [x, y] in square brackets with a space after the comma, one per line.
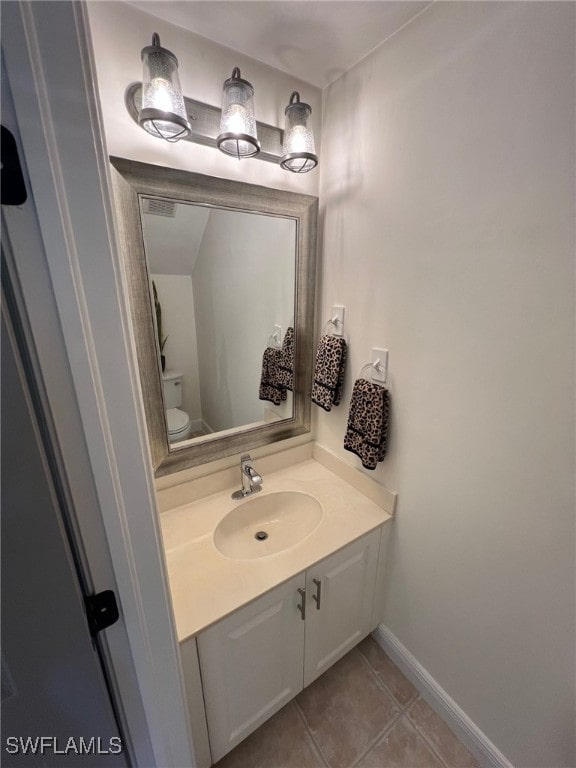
[160, 207]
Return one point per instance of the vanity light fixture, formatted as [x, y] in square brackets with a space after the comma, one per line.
[163, 113]
[158, 105]
[238, 135]
[298, 150]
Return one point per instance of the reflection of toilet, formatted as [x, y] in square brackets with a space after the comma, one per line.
[178, 420]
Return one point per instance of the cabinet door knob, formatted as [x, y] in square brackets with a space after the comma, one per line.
[302, 607]
[317, 597]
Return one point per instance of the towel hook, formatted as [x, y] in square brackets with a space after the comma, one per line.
[275, 338]
[334, 321]
[382, 377]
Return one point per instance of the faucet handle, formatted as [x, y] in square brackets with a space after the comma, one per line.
[251, 480]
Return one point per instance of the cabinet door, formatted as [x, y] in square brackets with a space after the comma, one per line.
[343, 585]
[251, 665]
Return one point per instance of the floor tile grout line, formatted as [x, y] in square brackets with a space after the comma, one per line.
[428, 739]
[404, 709]
[432, 748]
[382, 735]
[314, 742]
[424, 734]
[401, 710]
[383, 686]
[420, 733]
[374, 674]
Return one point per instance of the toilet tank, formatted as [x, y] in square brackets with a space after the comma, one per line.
[172, 389]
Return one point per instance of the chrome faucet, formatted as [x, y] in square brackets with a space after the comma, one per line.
[251, 480]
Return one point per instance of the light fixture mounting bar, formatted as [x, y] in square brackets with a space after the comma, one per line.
[205, 124]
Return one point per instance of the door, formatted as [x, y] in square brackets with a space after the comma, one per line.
[340, 593]
[64, 258]
[251, 664]
[56, 710]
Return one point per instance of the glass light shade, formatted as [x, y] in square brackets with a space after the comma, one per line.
[163, 112]
[298, 150]
[238, 135]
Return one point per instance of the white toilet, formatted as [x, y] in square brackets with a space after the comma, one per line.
[178, 420]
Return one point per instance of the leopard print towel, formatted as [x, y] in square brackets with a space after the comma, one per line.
[271, 386]
[368, 419]
[286, 361]
[329, 371]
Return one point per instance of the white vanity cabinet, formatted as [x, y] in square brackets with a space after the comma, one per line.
[340, 595]
[257, 659]
[251, 665]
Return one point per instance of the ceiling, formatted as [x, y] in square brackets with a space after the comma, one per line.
[313, 40]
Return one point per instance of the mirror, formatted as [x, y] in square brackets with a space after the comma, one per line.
[221, 297]
[221, 279]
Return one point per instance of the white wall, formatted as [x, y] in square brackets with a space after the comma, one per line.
[119, 32]
[448, 203]
[172, 242]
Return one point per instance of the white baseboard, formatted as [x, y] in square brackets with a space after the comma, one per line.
[478, 744]
[198, 425]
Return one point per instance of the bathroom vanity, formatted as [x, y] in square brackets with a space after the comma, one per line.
[257, 627]
[267, 591]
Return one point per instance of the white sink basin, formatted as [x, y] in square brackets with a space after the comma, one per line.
[265, 525]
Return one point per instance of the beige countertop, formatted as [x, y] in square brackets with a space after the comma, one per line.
[206, 585]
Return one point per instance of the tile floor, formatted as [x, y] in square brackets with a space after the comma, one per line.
[362, 712]
[197, 433]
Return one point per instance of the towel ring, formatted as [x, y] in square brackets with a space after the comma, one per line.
[274, 341]
[376, 366]
[333, 322]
